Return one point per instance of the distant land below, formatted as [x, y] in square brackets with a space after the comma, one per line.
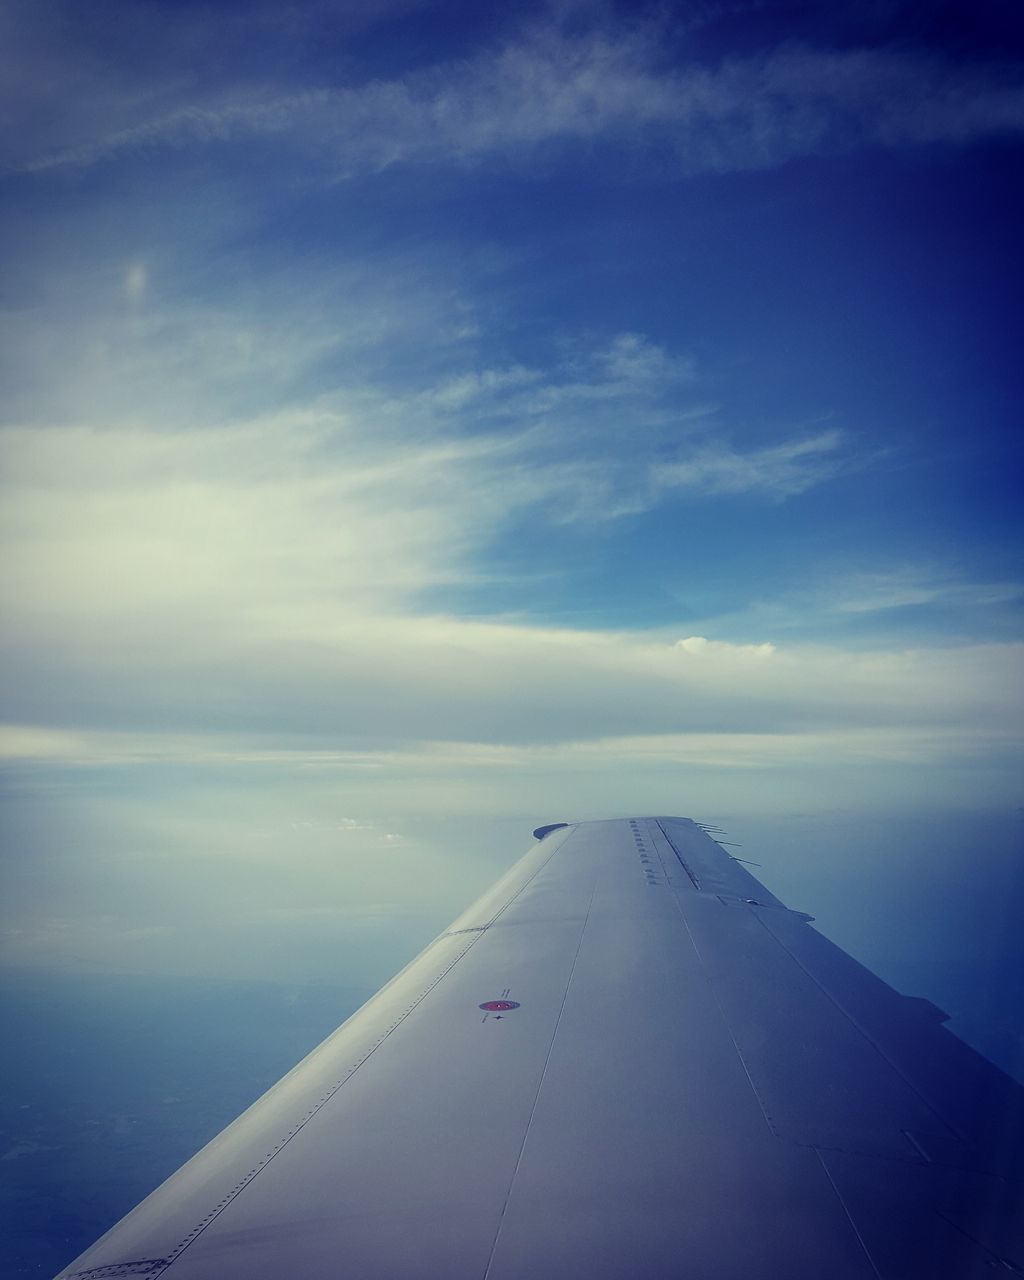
[109, 1082]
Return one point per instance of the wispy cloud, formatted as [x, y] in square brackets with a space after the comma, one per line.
[889, 608]
[904, 588]
[776, 471]
[628, 373]
[605, 86]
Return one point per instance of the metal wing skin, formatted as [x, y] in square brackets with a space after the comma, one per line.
[627, 1059]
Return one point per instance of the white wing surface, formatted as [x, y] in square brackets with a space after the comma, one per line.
[627, 1059]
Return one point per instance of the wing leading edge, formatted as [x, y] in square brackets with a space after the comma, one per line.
[627, 1058]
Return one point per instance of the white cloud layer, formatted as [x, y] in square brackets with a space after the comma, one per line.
[264, 580]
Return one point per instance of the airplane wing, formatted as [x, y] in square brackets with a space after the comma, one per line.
[627, 1059]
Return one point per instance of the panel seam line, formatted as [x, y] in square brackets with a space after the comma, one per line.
[540, 1084]
[849, 1215]
[855, 1023]
[725, 1021]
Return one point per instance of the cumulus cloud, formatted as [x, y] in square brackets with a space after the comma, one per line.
[701, 646]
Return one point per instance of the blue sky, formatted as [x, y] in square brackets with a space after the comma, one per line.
[423, 416]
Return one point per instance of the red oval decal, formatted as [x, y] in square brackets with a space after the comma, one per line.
[499, 1006]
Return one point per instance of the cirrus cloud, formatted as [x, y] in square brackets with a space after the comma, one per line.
[545, 88]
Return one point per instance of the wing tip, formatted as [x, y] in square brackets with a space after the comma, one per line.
[541, 832]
